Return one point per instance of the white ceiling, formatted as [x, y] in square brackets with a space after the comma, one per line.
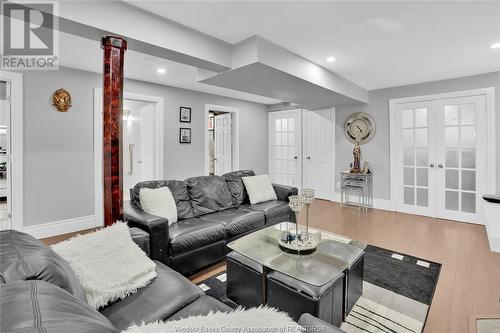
[376, 44]
[85, 54]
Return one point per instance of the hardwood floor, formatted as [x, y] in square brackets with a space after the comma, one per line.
[469, 283]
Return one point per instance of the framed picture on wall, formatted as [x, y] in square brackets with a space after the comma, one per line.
[184, 135]
[184, 114]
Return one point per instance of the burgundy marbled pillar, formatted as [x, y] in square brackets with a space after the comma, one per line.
[114, 49]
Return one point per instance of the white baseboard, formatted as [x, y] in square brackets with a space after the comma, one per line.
[382, 204]
[494, 243]
[61, 227]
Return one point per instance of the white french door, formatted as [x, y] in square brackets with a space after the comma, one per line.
[223, 144]
[461, 152]
[415, 159]
[285, 147]
[440, 157]
[318, 152]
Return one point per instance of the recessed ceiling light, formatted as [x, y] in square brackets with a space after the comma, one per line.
[495, 46]
[161, 70]
[330, 59]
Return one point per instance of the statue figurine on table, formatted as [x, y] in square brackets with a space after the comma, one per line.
[356, 168]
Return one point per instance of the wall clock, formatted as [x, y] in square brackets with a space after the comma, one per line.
[359, 127]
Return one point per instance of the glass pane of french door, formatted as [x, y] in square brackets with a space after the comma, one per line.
[415, 158]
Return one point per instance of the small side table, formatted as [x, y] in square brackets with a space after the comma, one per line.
[358, 185]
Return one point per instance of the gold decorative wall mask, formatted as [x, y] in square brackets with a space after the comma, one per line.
[61, 100]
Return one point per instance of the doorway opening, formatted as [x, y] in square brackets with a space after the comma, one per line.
[221, 139]
[11, 151]
[143, 142]
[5, 211]
[220, 150]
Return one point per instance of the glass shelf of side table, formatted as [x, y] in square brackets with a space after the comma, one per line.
[356, 185]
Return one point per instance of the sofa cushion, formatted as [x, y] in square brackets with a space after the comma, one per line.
[194, 233]
[168, 293]
[109, 265]
[236, 186]
[38, 306]
[23, 257]
[259, 189]
[209, 194]
[179, 192]
[236, 221]
[275, 211]
[159, 202]
[201, 307]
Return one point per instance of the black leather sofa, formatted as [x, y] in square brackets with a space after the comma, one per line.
[212, 211]
[39, 292]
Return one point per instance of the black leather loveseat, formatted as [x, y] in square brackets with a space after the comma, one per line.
[39, 292]
[212, 211]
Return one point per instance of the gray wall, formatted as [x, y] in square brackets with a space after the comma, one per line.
[376, 152]
[59, 176]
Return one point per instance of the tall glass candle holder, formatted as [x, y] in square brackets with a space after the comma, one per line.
[307, 199]
[296, 204]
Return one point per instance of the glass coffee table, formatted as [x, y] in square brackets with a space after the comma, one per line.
[334, 256]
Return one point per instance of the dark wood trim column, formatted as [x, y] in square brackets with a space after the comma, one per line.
[114, 50]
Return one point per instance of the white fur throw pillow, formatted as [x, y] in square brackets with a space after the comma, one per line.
[109, 265]
[160, 202]
[259, 188]
[261, 319]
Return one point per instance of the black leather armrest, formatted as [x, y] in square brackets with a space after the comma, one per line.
[283, 191]
[313, 324]
[141, 238]
[155, 226]
[492, 198]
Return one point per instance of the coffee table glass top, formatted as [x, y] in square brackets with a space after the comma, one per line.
[333, 256]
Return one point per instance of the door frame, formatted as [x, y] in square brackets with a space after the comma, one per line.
[332, 143]
[16, 187]
[159, 103]
[235, 134]
[489, 94]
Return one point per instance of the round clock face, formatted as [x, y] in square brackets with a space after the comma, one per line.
[359, 127]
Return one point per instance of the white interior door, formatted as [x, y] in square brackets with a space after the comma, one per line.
[318, 152]
[416, 176]
[285, 147]
[461, 156]
[223, 144]
[441, 157]
[139, 146]
[146, 155]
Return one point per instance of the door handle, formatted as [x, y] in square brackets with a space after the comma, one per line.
[440, 166]
[308, 157]
[431, 165]
[295, 157]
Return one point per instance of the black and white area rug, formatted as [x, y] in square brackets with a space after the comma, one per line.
[397, 293]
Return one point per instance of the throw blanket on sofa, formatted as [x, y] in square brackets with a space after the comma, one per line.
[261, 319]
[108, 264]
